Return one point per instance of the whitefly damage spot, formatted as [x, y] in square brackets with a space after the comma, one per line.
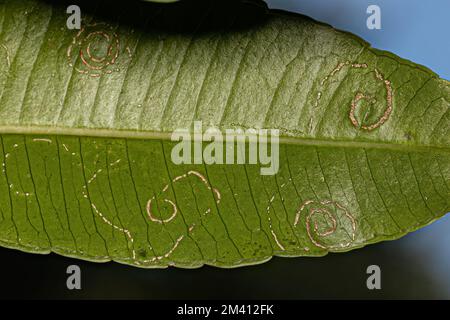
[329, 224]
[150, 213]
[195, 174]
[97, 46]
[360, 96]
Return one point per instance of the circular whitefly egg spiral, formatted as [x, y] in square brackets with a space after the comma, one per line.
[329, 225]
[97, 47]
[386, 107]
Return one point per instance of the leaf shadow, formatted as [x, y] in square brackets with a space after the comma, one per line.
[187, 16]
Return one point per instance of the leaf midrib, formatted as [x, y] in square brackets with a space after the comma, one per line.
[161, 135]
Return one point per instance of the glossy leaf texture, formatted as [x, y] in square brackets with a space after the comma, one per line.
[86, 117]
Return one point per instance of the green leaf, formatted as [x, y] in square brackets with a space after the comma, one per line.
[86, 119]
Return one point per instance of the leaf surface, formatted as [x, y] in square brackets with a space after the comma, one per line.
[86, 119]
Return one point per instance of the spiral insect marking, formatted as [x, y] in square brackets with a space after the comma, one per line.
[269, 219]
[95, 62]
[204, 181]
[359, 96]
[152, 217]
[127, 232]
[324, 208]
[101, 215]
